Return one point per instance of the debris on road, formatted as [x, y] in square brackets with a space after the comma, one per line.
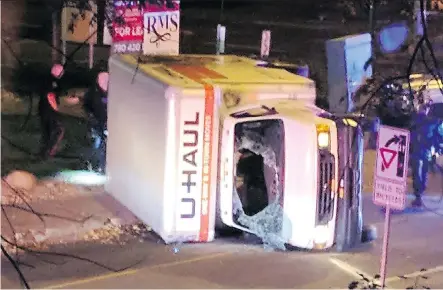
[21, 187]
[118, 234]
[110, 234]
[41, 213]
[41, 239]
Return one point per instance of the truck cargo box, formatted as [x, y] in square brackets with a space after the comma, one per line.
[164, 116]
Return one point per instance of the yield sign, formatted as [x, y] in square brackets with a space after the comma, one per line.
[387, 156]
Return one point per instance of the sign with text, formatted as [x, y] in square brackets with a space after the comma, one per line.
[391, 170]
[162, 29]
[127, 47]
[128, 27]
[190, 165]
[78, 26]
[265, 43]
[197, 161]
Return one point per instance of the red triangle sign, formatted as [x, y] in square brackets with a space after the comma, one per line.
[385, 152]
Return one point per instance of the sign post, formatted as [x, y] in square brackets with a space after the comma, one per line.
[221, 36]
[390, 179]
[54, 38]
[64, 51]
[418, 20]
[91, 49]
[265, 44]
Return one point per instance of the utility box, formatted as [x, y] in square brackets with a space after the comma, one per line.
[348, 64]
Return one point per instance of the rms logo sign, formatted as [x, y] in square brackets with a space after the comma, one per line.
[161, 33]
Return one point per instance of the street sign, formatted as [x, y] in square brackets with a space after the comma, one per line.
[391, 170]
[265, 43]
[128, 31]
[162, 29]
[391, 173]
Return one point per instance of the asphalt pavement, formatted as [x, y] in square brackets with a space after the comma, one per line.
[415, 250]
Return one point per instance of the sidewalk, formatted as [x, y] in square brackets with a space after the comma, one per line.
[54, 211]
[59, 212]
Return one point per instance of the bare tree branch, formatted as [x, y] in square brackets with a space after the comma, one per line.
[16, 267]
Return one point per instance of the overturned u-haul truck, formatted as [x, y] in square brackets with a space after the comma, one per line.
[199, 143]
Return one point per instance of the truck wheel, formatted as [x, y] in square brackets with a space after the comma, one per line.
[369, 234]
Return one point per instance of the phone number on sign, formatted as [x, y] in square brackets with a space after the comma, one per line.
[127, 47]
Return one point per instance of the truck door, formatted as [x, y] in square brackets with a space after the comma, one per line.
[231, 199]
[228, 201]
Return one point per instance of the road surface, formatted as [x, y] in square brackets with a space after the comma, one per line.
[415, 244]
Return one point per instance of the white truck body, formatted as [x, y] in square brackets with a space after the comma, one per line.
[171, 145]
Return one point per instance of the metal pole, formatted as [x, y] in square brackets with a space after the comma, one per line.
[265, 44]
[418, 21]
[91, 48]
[64, 50]
[371, 15]
[222, 6]
[372, 27]
[384, 254]
[91, 55]
[54, 38]
[221, 36]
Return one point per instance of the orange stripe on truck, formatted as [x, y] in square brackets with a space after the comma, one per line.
[197, 74]
[207, 163]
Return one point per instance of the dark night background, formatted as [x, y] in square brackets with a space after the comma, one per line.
[299, 29]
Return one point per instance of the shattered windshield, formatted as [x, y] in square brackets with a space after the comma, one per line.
[257, 194]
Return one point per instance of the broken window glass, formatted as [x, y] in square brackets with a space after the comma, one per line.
[257, 196]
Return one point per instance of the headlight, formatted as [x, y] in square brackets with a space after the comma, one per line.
[323, 140]
[323, 136]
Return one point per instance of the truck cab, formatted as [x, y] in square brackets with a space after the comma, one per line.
[305, 146]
